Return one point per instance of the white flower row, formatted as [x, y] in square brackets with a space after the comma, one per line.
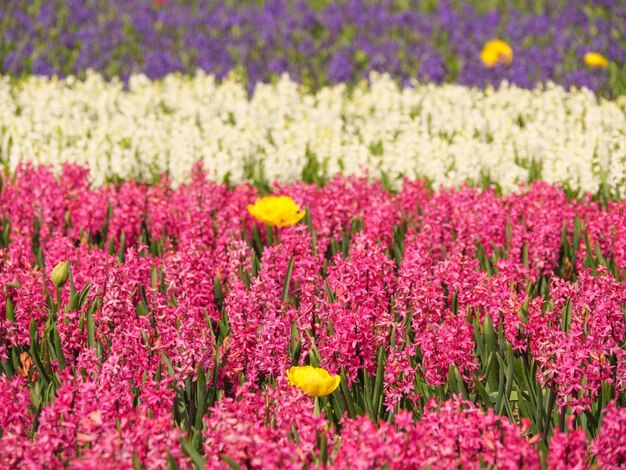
[447, 133]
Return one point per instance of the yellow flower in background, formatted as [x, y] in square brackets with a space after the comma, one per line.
[596, 60]
[314, 381]
[495, 52]
[280, 211]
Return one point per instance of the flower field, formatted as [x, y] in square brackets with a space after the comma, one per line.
[435, 303]
[313, 234]
[318, 42]
[282, 133]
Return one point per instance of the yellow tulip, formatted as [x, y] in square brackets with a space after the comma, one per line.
[596, 60]
[314, 381]
[280, 211]
[495, 52]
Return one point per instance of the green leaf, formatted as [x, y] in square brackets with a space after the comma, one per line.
[171, 463]
[112, 246]
[255, 266]
[214, 375]
[82, 299]
[367, 396]
[339, 407]
[219, 292]
[91, 330]
[6, 233]
[285, 294]
[193, 454]
[136, 462]
[34, 352]
[295, 345]
[329, 293]
[200, 397]
[10, 311]
[230, 462]
[460, 384]
[489, 335]
[452, 385]
[58, 349]
[501, 385]
[509, 373]
[168, 364]
[77, 299]
[484, 396]
[345, 391]
[323, 448]
[257, 244]
[7, 367]
[122, 251]
[269, 232]
[309, 223]
[377, 396]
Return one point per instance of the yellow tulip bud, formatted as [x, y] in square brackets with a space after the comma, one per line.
[495, 52]
[314, 381]
[596, 60]
[279, 211]
[60, 273]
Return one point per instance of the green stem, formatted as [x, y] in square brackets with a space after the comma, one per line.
[562, 419]
[58, 298]
[551, 402]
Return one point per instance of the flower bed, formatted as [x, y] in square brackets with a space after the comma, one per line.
[467, 328]
[320, 41]
[447, 134]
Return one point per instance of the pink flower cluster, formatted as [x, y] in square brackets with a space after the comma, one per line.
[175, 287]
[451, 434]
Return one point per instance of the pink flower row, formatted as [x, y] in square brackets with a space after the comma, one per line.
[180, 279]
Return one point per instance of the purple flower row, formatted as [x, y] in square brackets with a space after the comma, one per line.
[316, 42]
